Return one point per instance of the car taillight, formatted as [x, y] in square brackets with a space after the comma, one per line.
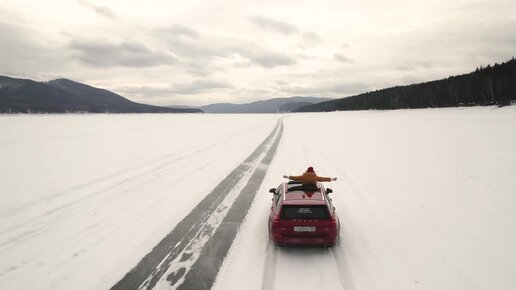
[333, 221]
[275, 220]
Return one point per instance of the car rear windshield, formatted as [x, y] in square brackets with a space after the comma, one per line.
[317, 212]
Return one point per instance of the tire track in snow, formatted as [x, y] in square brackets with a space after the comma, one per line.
[199, 243]
[269, 273]
[343, 267]
[204, 271]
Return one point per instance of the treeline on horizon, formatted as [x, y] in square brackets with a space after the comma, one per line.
[491, 85]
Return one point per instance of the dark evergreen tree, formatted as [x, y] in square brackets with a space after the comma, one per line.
[490, 85]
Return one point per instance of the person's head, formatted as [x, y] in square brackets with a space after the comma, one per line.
[310, 169]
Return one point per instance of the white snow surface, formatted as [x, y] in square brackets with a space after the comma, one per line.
[426, 198]
[85, 197]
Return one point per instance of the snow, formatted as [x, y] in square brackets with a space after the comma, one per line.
[213, 222]
[85, 197]
[425, 197]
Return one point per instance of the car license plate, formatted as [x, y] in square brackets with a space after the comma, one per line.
[304, 229]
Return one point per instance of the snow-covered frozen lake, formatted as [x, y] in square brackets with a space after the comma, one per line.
[426, 198]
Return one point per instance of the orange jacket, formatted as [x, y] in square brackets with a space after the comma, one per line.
[309, 178]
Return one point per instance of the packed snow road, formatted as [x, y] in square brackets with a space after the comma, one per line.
[190, 256]
[425, 198]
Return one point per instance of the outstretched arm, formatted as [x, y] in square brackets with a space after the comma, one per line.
[291, 177]
[322, 179]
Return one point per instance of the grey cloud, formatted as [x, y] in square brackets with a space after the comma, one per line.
[342, 58]
[271, 60]
[198, 53]
[125, 54]
[344, 88]
[274, 25]
[199, 86]
[25, 53]
[413, 65]
[186, 42]
[145, 91]
[200, 69]
[14, 38]
[485, 11]
[101, 10]
[193, 49]
[195, 87]
[261, 57]
[312, 37]
[178, 31]
[194, 53]
[501, 33]
[248, 95]
[454, 49]
[403, 67]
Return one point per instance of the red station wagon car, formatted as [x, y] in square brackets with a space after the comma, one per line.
[303, 215]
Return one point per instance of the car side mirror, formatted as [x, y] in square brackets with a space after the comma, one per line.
[272, 190]
[329, 190]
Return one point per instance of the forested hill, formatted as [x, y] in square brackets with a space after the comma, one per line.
[492, 85]
[66, 96]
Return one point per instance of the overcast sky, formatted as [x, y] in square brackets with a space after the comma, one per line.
[170, 52]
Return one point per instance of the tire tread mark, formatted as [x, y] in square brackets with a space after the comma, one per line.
[205, 269]
[269, 273]
[153, 265]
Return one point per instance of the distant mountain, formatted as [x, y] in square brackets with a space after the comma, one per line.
[219, 108]
[492, 85]
[290, 107]
[268, 106]
[63, 96]
[179, 107]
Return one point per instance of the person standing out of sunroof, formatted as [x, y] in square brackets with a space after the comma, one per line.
[309, 177]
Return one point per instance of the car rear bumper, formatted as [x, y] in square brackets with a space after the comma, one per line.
[288, 240]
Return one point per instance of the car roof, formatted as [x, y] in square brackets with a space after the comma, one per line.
[298, 194]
